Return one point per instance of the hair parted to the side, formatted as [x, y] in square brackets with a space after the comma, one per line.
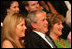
[9, 25]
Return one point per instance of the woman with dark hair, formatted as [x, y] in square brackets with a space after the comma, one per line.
[7, 7]
[55, 30]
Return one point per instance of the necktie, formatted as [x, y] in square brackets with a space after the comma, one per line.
[50, 41]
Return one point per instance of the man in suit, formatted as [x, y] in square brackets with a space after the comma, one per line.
[37, 22]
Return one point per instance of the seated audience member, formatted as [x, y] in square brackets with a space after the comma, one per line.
[36, 21]
[13, 29]
[61, 8]
[7, 7]
[38, 5]
[31, 6]
[55, 30]
[68, 21]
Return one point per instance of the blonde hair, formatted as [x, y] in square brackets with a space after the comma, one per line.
[9, 26]
[68, 17]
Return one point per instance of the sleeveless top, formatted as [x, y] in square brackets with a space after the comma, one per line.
[14, 45]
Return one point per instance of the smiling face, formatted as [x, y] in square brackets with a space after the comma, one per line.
[20, 29]
[41, 25]
[33, 5]
[57, 28]
[14, 7]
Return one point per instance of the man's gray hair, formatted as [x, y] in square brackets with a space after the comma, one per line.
[32, 17]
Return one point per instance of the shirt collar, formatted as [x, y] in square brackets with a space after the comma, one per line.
[41, 34]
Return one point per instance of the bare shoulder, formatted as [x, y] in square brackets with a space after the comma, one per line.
[7, 44]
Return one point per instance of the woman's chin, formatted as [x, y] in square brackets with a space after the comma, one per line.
[60, 33]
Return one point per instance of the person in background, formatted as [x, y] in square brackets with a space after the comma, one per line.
[13, 29]
[29, 6]
[7, 7]
[68, 21]
[55, 30]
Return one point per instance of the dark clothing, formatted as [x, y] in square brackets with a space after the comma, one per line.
[65, 31]
[33, 40]
[50, 40]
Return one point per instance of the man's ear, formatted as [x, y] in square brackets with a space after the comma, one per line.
[33, 24]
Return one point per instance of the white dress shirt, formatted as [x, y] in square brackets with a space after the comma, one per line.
[43, 36]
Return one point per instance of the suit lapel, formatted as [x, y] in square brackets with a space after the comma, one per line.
[43, 43]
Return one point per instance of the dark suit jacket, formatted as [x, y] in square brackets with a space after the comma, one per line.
[33, 40]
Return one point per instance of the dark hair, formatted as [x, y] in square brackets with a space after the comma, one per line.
[25, 3]
[4, 6]
[23, 11]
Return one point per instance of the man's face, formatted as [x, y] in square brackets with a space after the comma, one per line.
[41, 24]
[33, 5]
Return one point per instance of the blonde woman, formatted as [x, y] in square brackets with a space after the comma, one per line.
[13, 29]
